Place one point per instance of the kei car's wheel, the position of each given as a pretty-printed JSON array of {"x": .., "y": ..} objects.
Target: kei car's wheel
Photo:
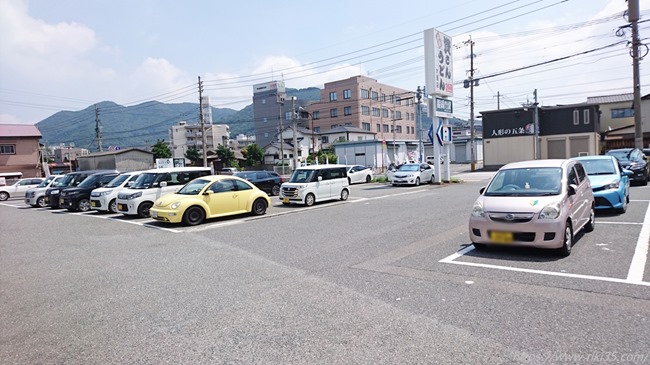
[
  {"x": 433, "y": 179},
  {"x": 368, "y": 179},
  {"x": 567, "y": 244},
  {"x": 479, "y": 246},
  {"x": 259, "y": 207},
  {"x": 310, "y": 199},
  {"x": 275, "y": 190},
  {"x": 4, "y": 195},
  {"x": 417, "y": 181},
  {"x": 40, "y": 202},
  {"x": 143, "y": 209},
  {"x": 345, "y": 194},
  {"x": 112, "y": 206},
  {"x": 592, "y": 221},
  {"x": 193, "y": 216},
  {"x": 83, "y": 205}
]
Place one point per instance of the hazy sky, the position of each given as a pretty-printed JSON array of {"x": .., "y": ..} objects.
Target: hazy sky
[{"x": 69, "y": 54}]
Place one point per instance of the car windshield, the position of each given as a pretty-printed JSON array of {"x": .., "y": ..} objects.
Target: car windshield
[
  {"x": 146, "y": 180},
  {"x": 45, "y": 182},
  {"x": 89, "y": 182},
  {"x": 302, "y": 176},
  {"x": 193, "y": 187},
  {"x": 622, "y": 155},
  {"x": 67, "y": 180},
  {"x": 119, "y": 179},
  {"x": 599, "y": 167},
  {"x": 538, "y": 181},
  {"x": 409, "y": 168}
]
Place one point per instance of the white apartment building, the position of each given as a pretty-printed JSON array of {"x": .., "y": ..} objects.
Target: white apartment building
[{"x": 183, "y": 136}]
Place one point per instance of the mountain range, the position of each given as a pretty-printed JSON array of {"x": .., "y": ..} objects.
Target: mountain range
[{"x": 143, "y": 124}]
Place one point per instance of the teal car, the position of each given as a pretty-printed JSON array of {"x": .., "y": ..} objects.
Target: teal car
[{"x": 609, "y": 181}]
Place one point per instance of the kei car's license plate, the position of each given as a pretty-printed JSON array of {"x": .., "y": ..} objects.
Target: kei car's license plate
[
  {"x": 501, "y": 237},
  {"x": 121, "y": 207},
  {"x": 93, "y": 203},
  {"x": 153, "y": 214},
  {"x": 285, "y": 200}
]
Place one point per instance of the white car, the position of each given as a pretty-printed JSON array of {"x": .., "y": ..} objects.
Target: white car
[
  {"x": 19, "y": 188},
  {"x": 104, "y": 199},
  {"x": 359, "y": 174},
  {"x": 36, "y": 196},
  {"x": 413, "y": 174}
]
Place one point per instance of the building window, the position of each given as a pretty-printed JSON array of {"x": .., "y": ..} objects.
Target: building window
[
  {"x": 378, "y": 127},
  {"x": 585, "y": 114},
  {"x": 375, "y": 112},
  {"x": 325, "y": 139},
  {"x": 391, "y": 99},
  {"x": 576, "y": 117},
  {"x": 263, "y": 101},
  {"x": 333, "y": 113},
  {"x": 316, "y": 115},
  {"x": 265, "y": 120},
  {"x": 347, "y": 110},
  {"x": 385, "y": 126},
  {"x": 365, "y": 126},
  {"x": 398, "y": 115},
  {"x": 333, "y": 96},
  {"x": 399, "y": 129},
  {"x": 398, "y": 100},
  {"x": 383, "y": 98},
  {"x": 384, "y": 113},
  {"x": 266, "y": 135},
  {"x": 347, "y": 94},
  {"x": 316, "y": 129},
  {"x": 7, "y": 149},
  {"x": 375, "y": 95},
  {"x": 365, "y": 110},
  {"x": 364, "y": 94},
  {"x": 622, "y": 113}
]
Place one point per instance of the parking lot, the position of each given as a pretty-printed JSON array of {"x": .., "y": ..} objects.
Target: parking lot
[{"x": 395, "y": 260}]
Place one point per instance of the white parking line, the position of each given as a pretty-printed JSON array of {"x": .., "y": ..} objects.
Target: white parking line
[
  {"x": 143, "y": 224},
  {"x": 637, "y": 267}
]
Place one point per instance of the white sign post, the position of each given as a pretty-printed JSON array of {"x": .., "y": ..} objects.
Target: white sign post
[{"x": 438, "y": 68}]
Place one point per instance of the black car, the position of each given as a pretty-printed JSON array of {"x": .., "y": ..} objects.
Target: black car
[
  {"x": 267, "y": 181},
  {"x": 70, "y": 180},
  {"x": 635, "y": 160},
  {"x": 78, "y": 198}
]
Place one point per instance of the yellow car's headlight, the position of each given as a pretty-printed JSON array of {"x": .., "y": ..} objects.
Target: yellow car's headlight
[{"x": 175, "y": 205}]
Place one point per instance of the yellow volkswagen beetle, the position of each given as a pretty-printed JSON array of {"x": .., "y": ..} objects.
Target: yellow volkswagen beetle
[{"x": 210, "y": 197}]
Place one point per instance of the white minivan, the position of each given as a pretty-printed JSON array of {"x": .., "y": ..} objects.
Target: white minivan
[
  {"x": 104, "y": 199},
  {"x": 152, "y": 184},
  {"x": 315, "y": 183}
]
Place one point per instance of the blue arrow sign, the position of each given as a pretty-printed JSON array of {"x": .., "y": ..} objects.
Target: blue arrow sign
[
  {"x": 439, "y": 132},
  {"x": 430, "y": 133}
]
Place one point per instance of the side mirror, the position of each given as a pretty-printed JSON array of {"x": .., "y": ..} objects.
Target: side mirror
[
  {"x": 572, "y": 188},
  {"x": 208, "y": 192},
  {"x": 481, "y": 190},
  {"x": 320, "y": 178},
  {"x": 627, "y": 172},
  {"x": 163, "y": 184},
  {"x": 129, "y": 183}
]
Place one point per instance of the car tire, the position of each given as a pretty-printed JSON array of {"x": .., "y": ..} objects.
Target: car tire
[
  {"x": 275, "y": 190},
  {"x": 143, "y": 209},
  {"x": 112, "y": 206},
  {"x": 259, "y": 207},
  {"x": 4, "y": 195},
  {"x": 368, "y": 179},
  {"x": 83, "y": 205},
  {"x": 310, "y": 199},
  {"x": 283, "y": 203},
  {"x": 591, "y": 224},
  {"x": 433, "y": 179},
  {"x": 567, "y": 242},
  {"x": 479, "y": 246},
  {"x": 345, "y": 194},
  {"x": 417, "y": 181},
  {"x": 193, "y": 216},
  {"x": 40, "y": 202}
]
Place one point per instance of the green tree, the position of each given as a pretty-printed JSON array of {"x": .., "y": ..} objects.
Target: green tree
[
  {"x": 227, "y": 156},
  {"x": 254, "y": 154},
  {"x": 193, "y": 155},
  {"x": 160, "y": 149}
]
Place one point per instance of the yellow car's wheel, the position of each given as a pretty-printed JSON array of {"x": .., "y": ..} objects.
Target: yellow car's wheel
[{"x": 193, "y": 216}]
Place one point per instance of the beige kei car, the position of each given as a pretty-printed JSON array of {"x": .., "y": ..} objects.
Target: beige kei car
[{"x": 540, "y": 203}]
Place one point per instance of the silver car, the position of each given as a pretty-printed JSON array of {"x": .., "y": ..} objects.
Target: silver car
[
  {"x": 540, "y": 203},
  {"x": 413, "y": 174}
]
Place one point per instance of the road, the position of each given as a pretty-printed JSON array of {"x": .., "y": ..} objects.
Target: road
[{"x": 386, "y": 277}]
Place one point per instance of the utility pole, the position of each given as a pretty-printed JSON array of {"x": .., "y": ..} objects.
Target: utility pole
[
  {"x": 536, "y": 126},
  {"x": 295, "y": 127},
  {"x": 498, "y": 100},
  {"x": 633, "y": 16},
  {"x": 280, "y": 101},
  {"x": 471, "y": 105},
  {"x": 98, "y": 129},
  {"x": 203, "y": 146},
  {"x": 420, "y": 131}
]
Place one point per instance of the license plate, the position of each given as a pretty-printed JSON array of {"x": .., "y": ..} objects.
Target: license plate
[
  {"x": 93, "y": 203},
  {"x": 153, "y": 214},
  {"x": 60, "y": 201},
  {"x": 121, "y": 207},
  {"x": 501, "y": 237},
  {"x": 47, "y": 200},
  {"x": 285, "y": 200}
]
